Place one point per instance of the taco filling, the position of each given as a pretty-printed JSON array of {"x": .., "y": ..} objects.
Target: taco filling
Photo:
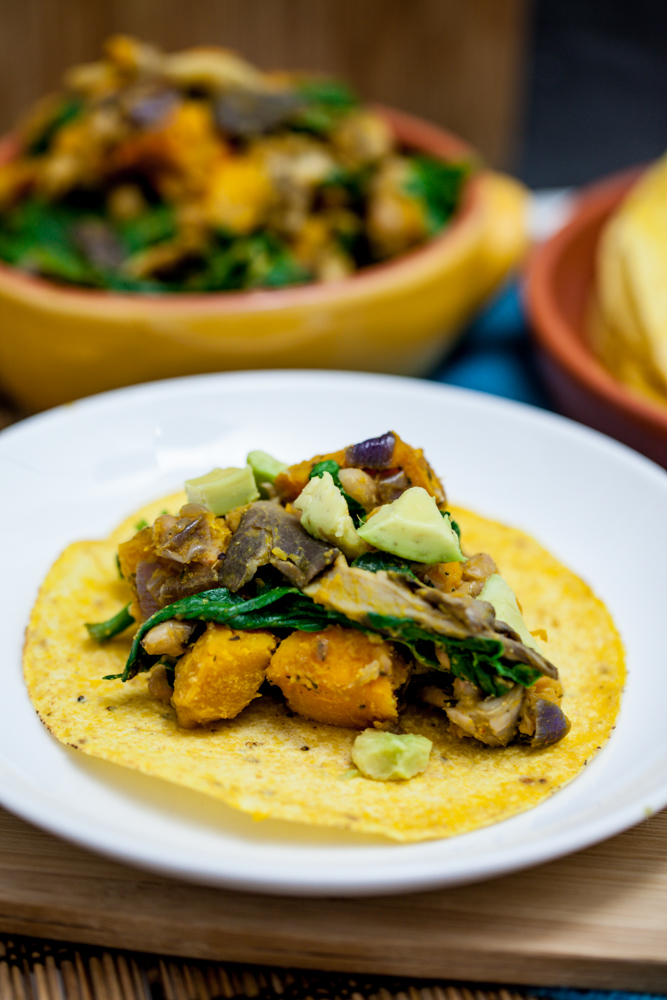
[{"x": 339, "y": 600}]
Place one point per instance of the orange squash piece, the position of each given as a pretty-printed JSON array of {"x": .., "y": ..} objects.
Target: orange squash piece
[
  {"x": 137, "y": 549},
  {"x": 410, "y": 460},
  {"x": 417, "y": 470},
  {"x": 290, "y": 482},
  {"x": 340, "y": 676},
  {"x": 220, "y": 674},
  {"x": 445, "y": 576}
]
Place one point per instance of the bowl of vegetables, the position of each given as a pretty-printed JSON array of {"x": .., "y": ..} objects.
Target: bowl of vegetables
[{"x": 170, "y": 214}]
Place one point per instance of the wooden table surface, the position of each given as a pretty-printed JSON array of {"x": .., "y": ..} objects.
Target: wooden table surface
[{"x": 595, "y": 919}]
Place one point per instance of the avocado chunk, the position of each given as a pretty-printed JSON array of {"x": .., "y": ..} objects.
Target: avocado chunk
[
  {"x": 499, "y": 593},
  {"x": 325, "y": 515},
  {"x": 388, "y": 757},
  {"x": 221, "y": 490},
  {"x": 412, "y": 527},
  {"x": 264, "y": 467}
]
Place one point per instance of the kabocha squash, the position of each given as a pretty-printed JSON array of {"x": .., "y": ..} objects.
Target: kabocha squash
[
  {"x": 293, "y": 480},
  {"x": 220, "y": 674},
  {"x": 339, "y": 676},
  {"x": 177, "y": 554},
  {"x": 416, "y": 469},
  {"x": 137, "y": 549}
]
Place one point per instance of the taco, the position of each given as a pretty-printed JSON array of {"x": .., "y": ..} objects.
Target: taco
[{"x": 329, "y": 643}]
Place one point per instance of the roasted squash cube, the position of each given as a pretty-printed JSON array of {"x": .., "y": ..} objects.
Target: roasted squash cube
[
  {"x": 445, "y": 576},
  {"x": 339, "y": 676},
  {"x": 295, "y": 479},
  {"x": 137, "y": 549},
  {"x": 220, "y": 674},
  {"x": 417, "y": 470}
]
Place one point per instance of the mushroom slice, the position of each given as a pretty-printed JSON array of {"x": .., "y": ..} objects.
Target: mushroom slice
[
  {"x": 269, "y": 534},
  {"x": 168, "y": 638},
  {"x": 357, "y": 592},
  {"x": 490, "y": 720},
  {"x": 247, "y": 113},
  {"x": 196, "y": 535},
  {"x": 541, "y": 714}
]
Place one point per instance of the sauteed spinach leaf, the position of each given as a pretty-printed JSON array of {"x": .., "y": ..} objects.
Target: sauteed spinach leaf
[
  {"x": 439, "y": 186},
  {"x": 295, "y": 611},
  {"x": 101, "y": 631},
  {"x": 477, "y": 659},
  {"x": 376, "y": 561}
]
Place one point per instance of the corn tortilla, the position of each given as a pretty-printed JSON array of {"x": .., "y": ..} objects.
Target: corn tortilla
[{"x": 271, "y": 764}]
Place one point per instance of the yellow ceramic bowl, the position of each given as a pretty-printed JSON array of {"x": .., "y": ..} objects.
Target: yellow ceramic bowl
[{"x": 60, "y": 343}]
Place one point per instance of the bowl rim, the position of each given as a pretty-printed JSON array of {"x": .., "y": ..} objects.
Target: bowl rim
[
  {"x": 411, "y": 130},
  {"x": 555, "y": 334}
]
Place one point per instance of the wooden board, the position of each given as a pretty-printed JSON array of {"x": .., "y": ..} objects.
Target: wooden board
[{"x": 596, "y": 919}]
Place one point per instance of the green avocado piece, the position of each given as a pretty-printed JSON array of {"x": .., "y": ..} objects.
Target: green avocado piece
[
  {"x": 388, "y": 757},
  {"x": 325, "y": 515},
  {"x": 221, "y": 490},
  {"x": 412, "y": 527},
  {"x": 265, "y": 467},
  {"x": 499, "y": 593}
]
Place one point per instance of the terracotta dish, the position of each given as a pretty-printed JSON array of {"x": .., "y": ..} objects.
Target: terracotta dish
[
  {"x": 58, "y": 344},
  {"x": 560, "y": 298}
]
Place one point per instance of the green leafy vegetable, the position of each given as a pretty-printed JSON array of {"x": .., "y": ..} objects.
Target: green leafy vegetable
[
  {"x": 351, "y": 184},
  {"x": 101, "y": 631},
  {"x": 477, "y": 658},
  {"x": 65, "y": 112},
  {"x": 357, "y": 512},
  {"x": 373, "y": 562},
  {"x": 294, "y": 611},
  {"x": 155, "y": 225},
  {"x": 327, "y": 103},
  {"x": 438, "y": 185},
  {"x": 59, "y": 262},
  {"x": 331, "y": 93},
  {"x": 260, "y": 260},
  {"x": 454, "y": 524},
  {"x": 279, "y": 607},
  {"x": 38, "y": 236},
  {"x": 117, "y": 282}
]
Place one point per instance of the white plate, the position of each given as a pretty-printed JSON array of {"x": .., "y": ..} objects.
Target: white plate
[{"x": 77, "y": 471}]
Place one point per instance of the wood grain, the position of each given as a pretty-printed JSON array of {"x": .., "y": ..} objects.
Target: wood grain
[
  {"x": 459, "y": 64},
  {"x": 596, "y": 919}
]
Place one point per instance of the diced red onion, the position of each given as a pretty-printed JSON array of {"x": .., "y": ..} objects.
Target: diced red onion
[{"x": 374, "y": 453}]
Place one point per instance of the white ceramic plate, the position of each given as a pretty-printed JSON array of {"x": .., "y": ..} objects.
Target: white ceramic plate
[{"x": 77, "y": 471}]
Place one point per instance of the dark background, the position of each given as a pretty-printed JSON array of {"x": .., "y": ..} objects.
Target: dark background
[{"x": 595, "y": 89}]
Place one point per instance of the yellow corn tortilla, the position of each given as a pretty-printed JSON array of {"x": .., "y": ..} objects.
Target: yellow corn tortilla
[{"x": 271, "y": 764}]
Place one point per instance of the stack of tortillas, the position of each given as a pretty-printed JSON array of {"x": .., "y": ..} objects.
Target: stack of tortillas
[{"x": 629, "y": 329}]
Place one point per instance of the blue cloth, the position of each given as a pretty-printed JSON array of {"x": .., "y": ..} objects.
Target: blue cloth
[{"x": 495, "y": 354}]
